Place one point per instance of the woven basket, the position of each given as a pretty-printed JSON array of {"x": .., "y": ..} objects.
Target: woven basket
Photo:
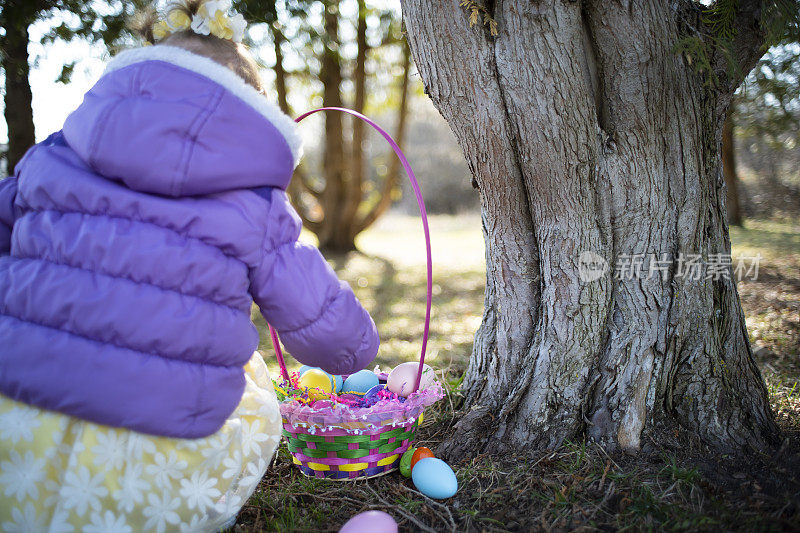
[
  {"x": 348, "y": 449},
  {"x": 343, "y": 456}
]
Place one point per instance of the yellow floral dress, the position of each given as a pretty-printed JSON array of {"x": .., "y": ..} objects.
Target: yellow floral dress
[{"x": 61, "y": 474}]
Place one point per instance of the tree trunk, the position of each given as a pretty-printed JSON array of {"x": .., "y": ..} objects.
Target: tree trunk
[
  {"x": 729, "y": 171},
  {"x": 344, "y": 210},
  {"x": 355, "y": 186},
  {"x": 18, "y": 98},
  {"x": 334, "y": 196},
  {"x": 593, "y": 144}
]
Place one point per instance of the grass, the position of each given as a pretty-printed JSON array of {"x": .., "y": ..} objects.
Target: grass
[{"x": 579, "y": 486}]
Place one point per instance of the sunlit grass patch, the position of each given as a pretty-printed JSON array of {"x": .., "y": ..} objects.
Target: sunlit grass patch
[
  {"x": 389, "y": 277},
  {"x": 772, "y": 239}
]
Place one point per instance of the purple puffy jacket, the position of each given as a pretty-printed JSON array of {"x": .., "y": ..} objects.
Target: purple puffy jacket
[{"x": 133, "y": 243}]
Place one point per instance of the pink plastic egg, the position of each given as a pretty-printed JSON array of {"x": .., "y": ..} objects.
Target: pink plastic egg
[
  {"x": 370, "y": 522},
  {"x": 402, "y": 378}
]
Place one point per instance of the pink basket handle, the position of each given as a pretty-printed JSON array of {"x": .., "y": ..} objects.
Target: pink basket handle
[{"x": 423, "y": 215}]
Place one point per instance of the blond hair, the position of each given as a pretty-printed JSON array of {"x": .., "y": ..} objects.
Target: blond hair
[{"x": 234, "y": 56}]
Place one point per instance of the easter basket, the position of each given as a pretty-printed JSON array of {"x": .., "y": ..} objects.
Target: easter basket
[{"x": 331, "y": 440}]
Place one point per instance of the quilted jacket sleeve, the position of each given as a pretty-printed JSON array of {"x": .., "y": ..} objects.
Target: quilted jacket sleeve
[
  {"x": 319, "y": 319},
  {"x": 8, "y": 191}
]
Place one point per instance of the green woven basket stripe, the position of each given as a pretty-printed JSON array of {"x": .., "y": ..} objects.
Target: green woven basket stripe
[
  {"x": 341, "y": 451},
  {"x": 352, "y": 454},
  {"x": 390, "y": 447},
  {"x": 364, "y": 441},
  {"x": 340, "y": 438},
  {"x": 331, "y": 446},
  {"x": 337, "y": 446},
  {"x": 342, "y": 454}
]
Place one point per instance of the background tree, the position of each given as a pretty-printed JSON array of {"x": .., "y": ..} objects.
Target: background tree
[
  {"x": 767, "y": 107},
  {"x": 593, "y": 132},
  {"x": 767, "y": 124},
  {"x": 94, "y": 21},
  {"x": 344, "y": 200},
  {"x": 340, "y": 200},
  {"x": 732, "y": 182}
]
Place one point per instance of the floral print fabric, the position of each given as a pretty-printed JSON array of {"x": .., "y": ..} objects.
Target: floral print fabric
[{"x": 62, "y": 474}]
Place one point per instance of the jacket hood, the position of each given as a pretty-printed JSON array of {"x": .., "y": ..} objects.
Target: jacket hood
[{"x": 164, "y": 120}]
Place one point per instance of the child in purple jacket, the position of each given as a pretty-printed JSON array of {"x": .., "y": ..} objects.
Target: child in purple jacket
[{"x": 132, "y": 246}]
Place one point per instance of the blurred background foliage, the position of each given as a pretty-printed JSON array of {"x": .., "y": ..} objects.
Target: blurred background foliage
[
  {"x": 766, "y": 127},
  {"x": 352, "y": 53}
]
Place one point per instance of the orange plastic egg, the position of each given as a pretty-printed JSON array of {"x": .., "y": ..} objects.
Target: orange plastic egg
[{"x": 420, "y": 453}]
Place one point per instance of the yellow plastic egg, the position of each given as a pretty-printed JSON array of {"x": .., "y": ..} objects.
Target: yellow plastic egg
[{"x": 318, "y": 383}]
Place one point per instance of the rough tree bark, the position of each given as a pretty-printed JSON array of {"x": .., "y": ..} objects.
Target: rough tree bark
[
  {"x": 586, "y": 132},
  {"x": 729, "y": 171}
]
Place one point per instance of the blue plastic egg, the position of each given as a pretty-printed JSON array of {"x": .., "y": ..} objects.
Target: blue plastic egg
[
  {"x": 337, "y": 380},
  {"x": 360, "y": 382},
  {"x": 434, "y": 478},
  {"x": 372, "y": 394}
]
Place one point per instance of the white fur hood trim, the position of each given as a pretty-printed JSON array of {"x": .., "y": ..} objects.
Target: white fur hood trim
[{"x": 219, "y": 74}]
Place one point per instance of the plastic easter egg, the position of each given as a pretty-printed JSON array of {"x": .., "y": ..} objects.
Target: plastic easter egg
[
  {"x": 317, "y": 381},
  {"x": 370, "y": 522},
  {"x": 372, "y": 394},
  {"x": 360, "y": 382},
  {"x": 405, "y": 461},
  {"x": 353, "y": 398},
  {"x": 420, "y": 453},
  {"x": 337, "y": 380},
  {"x": 403, "y": 377},
  {"x": 316, "y": 378},
  {"x": 434, "y": 478},
  {"x": 375, "y": 390}
]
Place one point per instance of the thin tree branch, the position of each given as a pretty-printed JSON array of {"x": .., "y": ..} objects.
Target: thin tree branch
[
  {"x": 300, "y": 183},
  {"x": 280, "y": 72},
  {"x": 393, "y": 176},
  {"x": 296, "y": 188},
  {"x": 304, "y": 181},
  {"x": 311, "y": 225}
]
